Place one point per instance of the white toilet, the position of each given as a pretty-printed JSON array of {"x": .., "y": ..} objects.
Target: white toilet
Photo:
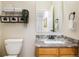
[{"x": 13, "y": 47}]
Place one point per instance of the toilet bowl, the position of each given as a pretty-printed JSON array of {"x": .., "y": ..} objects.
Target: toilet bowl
[{"x": 13, "y": 47}]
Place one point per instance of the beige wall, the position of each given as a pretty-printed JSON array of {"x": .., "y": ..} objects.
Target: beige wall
[
  {"x": 21, "y": 30},
  {"x": 68, "y": 8},
  {"x": 1, "y": 53}
]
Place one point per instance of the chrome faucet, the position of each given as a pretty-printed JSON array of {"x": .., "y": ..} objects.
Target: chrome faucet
[{"x": 51, "y": 37}]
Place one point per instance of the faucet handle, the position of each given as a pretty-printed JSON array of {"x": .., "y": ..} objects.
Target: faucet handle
[{"x": 51, "y": 37}]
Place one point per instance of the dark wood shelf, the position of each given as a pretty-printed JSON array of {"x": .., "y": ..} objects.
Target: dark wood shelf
[{"x": 11, "y": 21}]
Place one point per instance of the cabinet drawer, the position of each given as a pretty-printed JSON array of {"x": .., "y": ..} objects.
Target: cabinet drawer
[
  {"x": 67, "y": 51},
  {"x": 48, "y": 51}
]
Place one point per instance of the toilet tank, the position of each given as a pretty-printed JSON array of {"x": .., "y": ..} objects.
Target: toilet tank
[{"x": 13, "y": 46}]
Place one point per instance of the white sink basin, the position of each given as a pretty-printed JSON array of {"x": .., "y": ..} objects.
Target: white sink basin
[{"x": 54, "y": 42}]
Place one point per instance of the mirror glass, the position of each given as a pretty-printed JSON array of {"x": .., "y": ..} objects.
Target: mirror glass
[{"x": 48, "y": 16}]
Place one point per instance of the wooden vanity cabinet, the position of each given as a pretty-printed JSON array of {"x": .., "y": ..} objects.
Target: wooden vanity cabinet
[
  {"x": 46, "y": 52},
  {"x": 55, "y": 52}
]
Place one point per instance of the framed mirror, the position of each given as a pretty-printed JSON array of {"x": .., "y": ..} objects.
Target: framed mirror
[{"x": 48, "y": 16}]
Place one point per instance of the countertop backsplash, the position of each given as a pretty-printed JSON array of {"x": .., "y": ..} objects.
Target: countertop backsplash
[{"x": 47, "y": 36}]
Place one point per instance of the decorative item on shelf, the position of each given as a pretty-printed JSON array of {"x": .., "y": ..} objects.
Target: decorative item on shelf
[
  {"x": 5, "y": 19},
  {"x": 25, "y": 15},
  {"x": 14, "y": 19},
  {"x": 21, "y": 19}
]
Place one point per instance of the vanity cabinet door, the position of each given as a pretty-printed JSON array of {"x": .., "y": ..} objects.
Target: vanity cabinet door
[
  {"x": 47, "y": 52},
  {"x": 67, "y": 51}
]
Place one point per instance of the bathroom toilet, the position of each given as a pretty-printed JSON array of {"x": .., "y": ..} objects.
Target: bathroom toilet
[{"x": 13, "y": 47}]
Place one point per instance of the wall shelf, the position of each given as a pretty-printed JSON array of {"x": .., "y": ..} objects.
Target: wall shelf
[
  {"x": 12, "y": 12},
  {"x": 22, "y": 16}
]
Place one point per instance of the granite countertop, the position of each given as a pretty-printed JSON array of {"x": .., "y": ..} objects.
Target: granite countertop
[{"x": 40, "y": 43}]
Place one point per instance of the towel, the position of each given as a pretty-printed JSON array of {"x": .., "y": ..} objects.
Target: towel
[{"x": 71, "y": 24}]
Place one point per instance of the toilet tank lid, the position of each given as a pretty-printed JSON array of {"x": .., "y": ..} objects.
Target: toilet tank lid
[{"x": 13, "y": 40}]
